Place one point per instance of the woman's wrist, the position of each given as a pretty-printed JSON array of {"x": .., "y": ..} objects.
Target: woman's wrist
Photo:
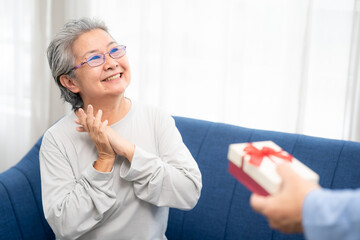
[
  {"x": 121, "y": 146},
  {"x": 104, "y": 164},
  {"x": 129, "y": 154},
  {"x": 125, "y": 149}
]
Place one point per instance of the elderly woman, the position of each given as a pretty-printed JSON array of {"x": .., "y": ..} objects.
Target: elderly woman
[{"x": 111, "y": 168}]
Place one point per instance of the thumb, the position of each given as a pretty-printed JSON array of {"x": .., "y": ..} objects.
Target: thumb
[
  {"x": 285, "y": 171},
  {"x": 289, "y": 178}
]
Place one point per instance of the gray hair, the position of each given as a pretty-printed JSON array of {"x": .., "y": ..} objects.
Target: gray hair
[{"x": 61, "y": 58}]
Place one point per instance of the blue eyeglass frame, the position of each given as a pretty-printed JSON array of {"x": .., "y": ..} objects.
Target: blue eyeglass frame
[{"x": 123, "y": 47}]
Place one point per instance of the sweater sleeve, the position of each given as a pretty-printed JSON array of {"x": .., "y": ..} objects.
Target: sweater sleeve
[
  {"x": 171, "y": 178},
  {"x": 72, "y": 206},
  {"x": 332, "y": 214}
]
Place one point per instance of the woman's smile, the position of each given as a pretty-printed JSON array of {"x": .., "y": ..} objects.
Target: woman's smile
[{"x": 111, "y": 78}]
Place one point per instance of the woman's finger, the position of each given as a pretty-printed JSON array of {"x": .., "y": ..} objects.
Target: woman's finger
[
  {"x": 81, "y": 115},
  {"x": 81, "y": 129},
  {"x": 81, "y": 119},
  {"x": 97, "y": 121},
  {"x": 78, "y": 122},
  {"x": 103, "y": 125},
  {"x": 89, "y": 116}
]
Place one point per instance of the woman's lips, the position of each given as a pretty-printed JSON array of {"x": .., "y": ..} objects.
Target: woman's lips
[{"x": 113, "y": 77}]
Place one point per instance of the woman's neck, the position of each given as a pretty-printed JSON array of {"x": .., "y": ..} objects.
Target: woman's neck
[{"x": 112, "y": 111}]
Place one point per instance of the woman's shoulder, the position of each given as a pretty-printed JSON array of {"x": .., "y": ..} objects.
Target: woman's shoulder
[
  {"x": 149, "y": 111},
  {"x": 64, "y": 125}
]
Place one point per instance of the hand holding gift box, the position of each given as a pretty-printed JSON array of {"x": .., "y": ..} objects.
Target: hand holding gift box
[{"x": 254, "y": 165}]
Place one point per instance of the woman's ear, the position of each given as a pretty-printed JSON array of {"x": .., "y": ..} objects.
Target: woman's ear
[{"x": 69, "y": 83}]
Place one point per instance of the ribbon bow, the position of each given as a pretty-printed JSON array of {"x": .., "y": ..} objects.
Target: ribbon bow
[{"x": 257, "y": 156}]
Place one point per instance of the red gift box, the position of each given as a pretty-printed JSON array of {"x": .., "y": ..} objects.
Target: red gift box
[{"x": 254, "y": 165}]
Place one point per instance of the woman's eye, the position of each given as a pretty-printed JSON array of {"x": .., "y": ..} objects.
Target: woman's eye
[
  {"x": 95, "y": 57},
  {"x": 114, "y": 50}
]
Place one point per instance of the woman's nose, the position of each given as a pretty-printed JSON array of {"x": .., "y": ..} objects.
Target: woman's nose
[{"x": 110, "y": 62}]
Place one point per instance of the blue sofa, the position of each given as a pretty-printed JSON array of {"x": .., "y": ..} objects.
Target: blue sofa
[{"x": 223, "y": 210}]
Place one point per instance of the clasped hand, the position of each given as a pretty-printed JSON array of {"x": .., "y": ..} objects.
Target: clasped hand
[{"x": 108, "y": 143}]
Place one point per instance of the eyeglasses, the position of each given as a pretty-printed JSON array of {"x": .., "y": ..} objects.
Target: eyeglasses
[{"x": 98, "y": 59}]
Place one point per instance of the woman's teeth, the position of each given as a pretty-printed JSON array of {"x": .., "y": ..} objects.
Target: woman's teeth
[{"x": 113, "y": 77}]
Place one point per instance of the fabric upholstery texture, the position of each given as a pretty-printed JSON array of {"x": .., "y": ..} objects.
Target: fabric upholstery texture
[{"x": 223, "y": 210}]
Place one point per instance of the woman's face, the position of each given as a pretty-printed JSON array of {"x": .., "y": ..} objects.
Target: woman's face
[{"x": 107, "y": 80}]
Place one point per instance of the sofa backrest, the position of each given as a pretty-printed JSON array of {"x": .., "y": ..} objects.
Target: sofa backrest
[{"x": 223, "y": 210}]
